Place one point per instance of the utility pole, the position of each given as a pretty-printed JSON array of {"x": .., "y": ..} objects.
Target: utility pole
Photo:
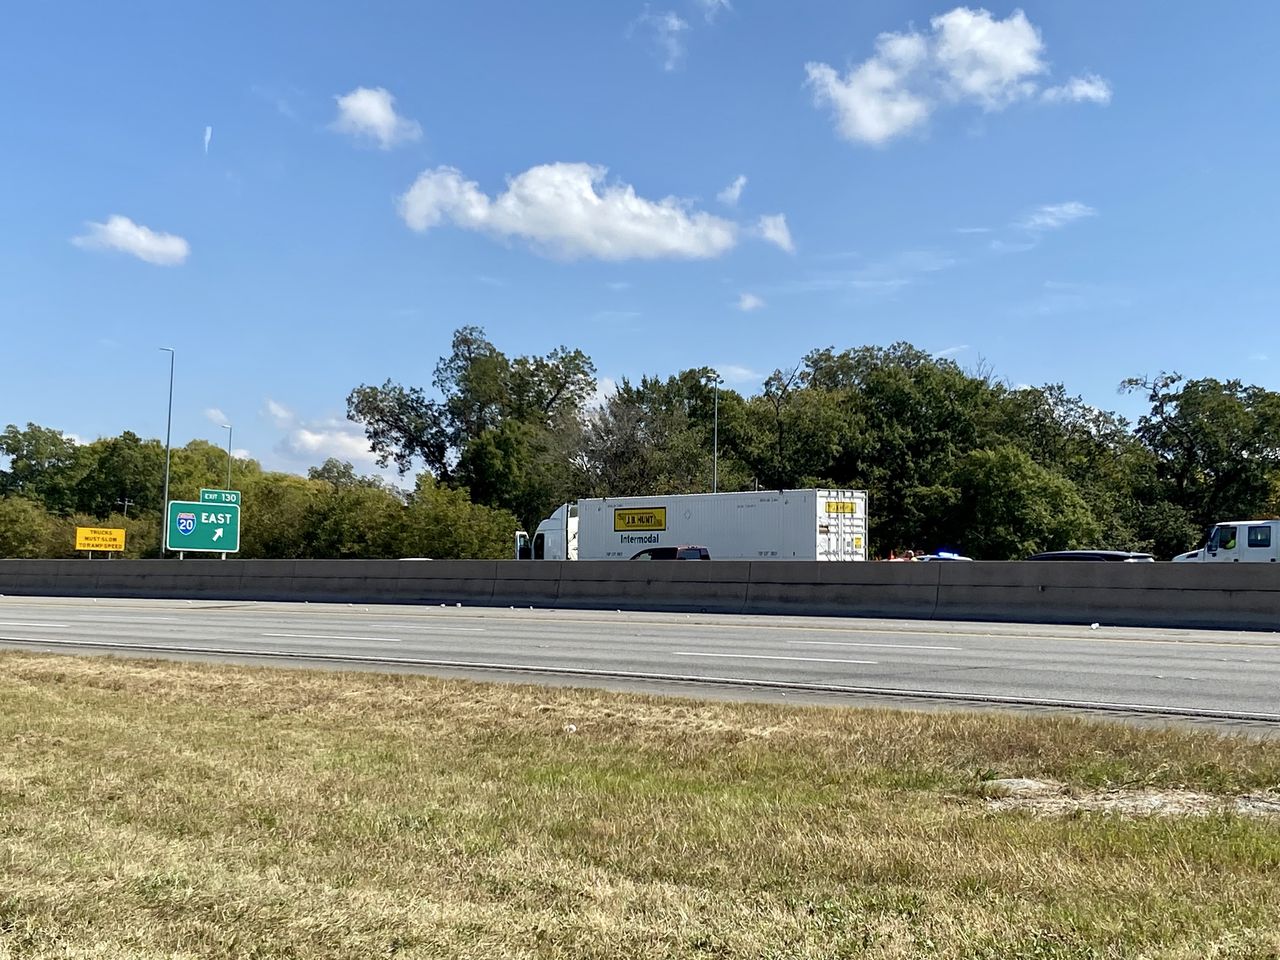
[
  {"x": 126, "y": 503},
  {"x": 227, "y": 427},
  {"x": 715, "y": 433}
]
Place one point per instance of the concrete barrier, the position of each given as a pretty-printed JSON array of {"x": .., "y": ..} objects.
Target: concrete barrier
[{"x": 1236, "y": 596}]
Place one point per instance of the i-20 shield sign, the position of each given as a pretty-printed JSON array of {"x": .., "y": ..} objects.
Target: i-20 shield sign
[{"x": 186, "y": 523}]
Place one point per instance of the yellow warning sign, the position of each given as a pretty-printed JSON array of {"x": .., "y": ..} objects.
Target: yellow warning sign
[
  {"x": 99, "y": 538},
  {"x": 842, "y": 506},
  {"x": 640, "y": 518}
]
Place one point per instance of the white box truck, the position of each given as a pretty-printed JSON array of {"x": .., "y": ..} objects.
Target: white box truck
[
  {"x": 757, "y": 525},
  {"x": 1238, "y": 541}
]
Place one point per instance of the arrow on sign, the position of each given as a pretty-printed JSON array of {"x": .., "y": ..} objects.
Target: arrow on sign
[{"x": 217, "y": 534}]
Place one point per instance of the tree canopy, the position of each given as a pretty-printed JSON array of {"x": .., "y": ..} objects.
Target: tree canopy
[{"x": 951, "y": 458}]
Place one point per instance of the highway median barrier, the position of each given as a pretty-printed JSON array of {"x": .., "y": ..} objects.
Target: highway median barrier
[{"x": 1235, "y": 596}]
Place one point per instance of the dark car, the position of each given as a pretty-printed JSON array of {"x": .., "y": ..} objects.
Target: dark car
[
  {"x": 673, "y": 553},
  {"x": 1115, "y": 556}
]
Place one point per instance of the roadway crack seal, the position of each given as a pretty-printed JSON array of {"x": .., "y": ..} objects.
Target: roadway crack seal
[{"x": 975, "y": 698}]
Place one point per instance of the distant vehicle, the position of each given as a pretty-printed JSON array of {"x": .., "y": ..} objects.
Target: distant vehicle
[
  {"x": 943, "y": 555},
  {"x": 1115, "y": 556},
  {"x": 754, "y": 525},
  {"x": 673, "y": 553},
  {"x": 1238, "y": 541}
]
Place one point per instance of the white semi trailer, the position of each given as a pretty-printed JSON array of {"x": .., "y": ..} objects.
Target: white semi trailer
[{"x": 758, "y": 525}]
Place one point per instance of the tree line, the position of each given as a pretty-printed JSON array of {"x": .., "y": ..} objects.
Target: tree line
[
  {"x": 951, "y": 458},
  {"x": 52, "y": 485}
]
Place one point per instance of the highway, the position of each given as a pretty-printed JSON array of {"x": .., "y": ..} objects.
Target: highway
[{"x": 1212, "y": 676}]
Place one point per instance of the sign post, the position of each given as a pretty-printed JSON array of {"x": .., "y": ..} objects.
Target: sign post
[{"x": 197, "y": 526}]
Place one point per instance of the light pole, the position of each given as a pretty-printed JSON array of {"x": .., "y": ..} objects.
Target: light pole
[
  {"x": 227, "y": 427},
  {"x": 168, "y": 435},
  {"x": 715, "y": 434}
]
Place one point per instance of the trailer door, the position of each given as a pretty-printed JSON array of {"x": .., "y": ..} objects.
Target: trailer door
[{"x": 842, "y": 525}]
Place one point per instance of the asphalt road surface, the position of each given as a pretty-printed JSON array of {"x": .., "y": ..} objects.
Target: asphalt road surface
[{"x": 1214, "y": 676}]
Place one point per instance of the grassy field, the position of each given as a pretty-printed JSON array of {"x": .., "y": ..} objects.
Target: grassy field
[{"x": 154, "y": 810}]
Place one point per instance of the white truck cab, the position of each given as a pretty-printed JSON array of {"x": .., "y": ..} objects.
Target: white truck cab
[
  {"x": 555, "y": 539},
  {"x": 1238, "y": 541}
]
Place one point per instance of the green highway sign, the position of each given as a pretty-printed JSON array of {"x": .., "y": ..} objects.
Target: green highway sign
[
  {"x": 196, "y": 527},
  {"x": 219, "y": 496}
]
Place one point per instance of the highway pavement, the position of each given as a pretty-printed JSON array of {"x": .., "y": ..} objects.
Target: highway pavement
[{"x": 1211, "y": 676}]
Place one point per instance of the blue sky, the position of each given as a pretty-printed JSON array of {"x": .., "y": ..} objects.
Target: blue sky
[{"x": 1077, "y": 192}]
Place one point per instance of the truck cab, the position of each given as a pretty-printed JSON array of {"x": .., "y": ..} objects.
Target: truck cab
[
  {"x": 555, "y": 539},
  {"x": 1238, "y": 541}
]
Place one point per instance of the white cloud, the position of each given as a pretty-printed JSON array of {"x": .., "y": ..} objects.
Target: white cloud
[
  {"x": 773, "y": 228},
  {"x": 369, "y": 112},
  {"x": 666, "y": 29},
  {"x": 952, "y": 351},
  {"x": 988, "y": 60},
  {"x": 1090, "y": 88},
  {"x": 1008, "y": 246},
  {"x": 973, "y": 230},
  {"x": 1258, "y": 357},
  {"x": 713, "y": 8},
  {"x": 967, "y": 55},
  {"x": 618, "y": 285},
  {"x": 735, "y": 373},
  {"x": 318, "y": 443},
  {"x": 313, "y": 441},
  {"x": 208, "y": 135},
  {"x": 281, "y": 415},
  {"x": 606, "y": 387},
  {"x": 569, "y": 210},
  {"x": 749, "y": 301},
  {"x": 875, "y": 101},
  {"x": 122, "y": 234},
  {"x": 214, "y": 415},
  {"x": 1051, "y": 216},
  {"x": 730, "y": 195},
  {"x": 241, "y": 453}
]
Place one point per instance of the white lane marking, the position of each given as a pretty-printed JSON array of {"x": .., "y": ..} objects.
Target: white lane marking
[
  {"x": 883, "y": 646},
  {"x": 123, "y": 619},
  {"x": 762, "y": 656},
  {"x": 31, "y": 623},
  {"x": 327, "y": 636}
]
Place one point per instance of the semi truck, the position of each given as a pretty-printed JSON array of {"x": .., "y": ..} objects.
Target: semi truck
[
  {"x": 755, "y": 525},
  {"x": 1238, "y": 541}
]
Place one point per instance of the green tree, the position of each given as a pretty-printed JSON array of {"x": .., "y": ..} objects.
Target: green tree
[
  {"x": 42, "y": 466},
  {"x": 115, "y": 469},
  {"x": 356, "y": 523},
  {"x": 27, "y": 531},
  {"x": 277, "y": 513},
  {"x": 500, "y": 426},
  {"x": 1217, "y": 444},
  {"x": 444, "y": 524},
  {"x": 1006, "y": 507}
]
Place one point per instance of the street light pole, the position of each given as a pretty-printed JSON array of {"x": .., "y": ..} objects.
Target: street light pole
[
  {"x": 168, "y": 436},
  {"x": 227, "y": 427},
  {"x": 715, "y": 442},
  {"x": 715, "y": 433}
]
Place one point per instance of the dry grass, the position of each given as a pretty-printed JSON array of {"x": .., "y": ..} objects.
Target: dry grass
[{"x": 154, "y": 810}]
